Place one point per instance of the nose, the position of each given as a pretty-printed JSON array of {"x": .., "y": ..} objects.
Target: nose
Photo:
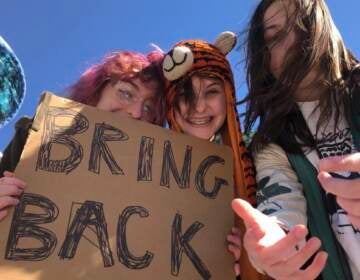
[
  {"x": 135, "y": 110},
  {"x": 200, "y": 104}
]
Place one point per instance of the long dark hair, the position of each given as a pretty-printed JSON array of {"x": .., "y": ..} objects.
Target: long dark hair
[{"x": 271, "y": 101}]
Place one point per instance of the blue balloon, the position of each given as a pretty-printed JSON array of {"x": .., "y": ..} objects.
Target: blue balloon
[{"x": 12, "y": 83}]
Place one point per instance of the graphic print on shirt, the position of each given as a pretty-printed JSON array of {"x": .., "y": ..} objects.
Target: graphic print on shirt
[
  {"x": 337, "y": 144},
  {"x": 264, "y": 193}
]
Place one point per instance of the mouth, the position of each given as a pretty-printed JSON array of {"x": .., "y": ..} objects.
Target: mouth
[{"x": 200, "y": 121}]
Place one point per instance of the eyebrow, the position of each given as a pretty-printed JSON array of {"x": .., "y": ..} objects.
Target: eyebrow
[
  {"x": 131, "y": 83},
  {"x": 271, "y": 27},
  {"x": 214, "y": 83}
]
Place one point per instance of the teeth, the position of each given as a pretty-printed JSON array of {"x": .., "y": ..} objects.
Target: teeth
[{"x": 199, "y": 121}]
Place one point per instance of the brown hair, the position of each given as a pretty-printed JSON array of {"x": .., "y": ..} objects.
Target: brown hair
[{"x": 318, "y": 44}]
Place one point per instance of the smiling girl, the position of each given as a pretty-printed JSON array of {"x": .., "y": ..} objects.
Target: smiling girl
[{"x": 201, "y": 103}]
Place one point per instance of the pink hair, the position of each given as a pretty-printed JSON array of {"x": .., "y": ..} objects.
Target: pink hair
[{"x": 121, "y": 65}]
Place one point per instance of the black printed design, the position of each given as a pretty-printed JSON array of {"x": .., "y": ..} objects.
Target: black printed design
[
  {"x": 267, "y": 191},
  {"x": 335, "y": 144}
]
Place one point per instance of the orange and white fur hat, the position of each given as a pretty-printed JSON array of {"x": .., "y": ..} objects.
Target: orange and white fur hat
[{"x": 190, "y": 57}]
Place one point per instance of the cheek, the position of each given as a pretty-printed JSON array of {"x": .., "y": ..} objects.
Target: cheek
[
  {"x": 276, "y": 58},
  {"x": 109, "y": 103},
  {"x": 183, "y": 109},
  {"x": 101, "y": 103},
  {"x": 219, "y": 107},
  {"x": 179, "y": 119},
  {"x": 222, "y": 115},
  {"x": 278, "y": 54}
]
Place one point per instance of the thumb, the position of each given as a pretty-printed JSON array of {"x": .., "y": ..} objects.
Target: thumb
[{"x": 251, "y": 216}]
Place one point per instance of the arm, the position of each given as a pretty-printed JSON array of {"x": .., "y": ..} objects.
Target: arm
[
  {"x": 279, "y": 193},
  {"x": 275, "y": 229}
]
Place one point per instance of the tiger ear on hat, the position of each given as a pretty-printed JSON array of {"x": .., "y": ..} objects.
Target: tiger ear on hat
[{"x": 225, "y": 42}]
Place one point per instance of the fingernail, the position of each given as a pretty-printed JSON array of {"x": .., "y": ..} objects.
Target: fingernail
[
  {"x": 300, "y": 233},
  {"x": 315, "y": 242}
]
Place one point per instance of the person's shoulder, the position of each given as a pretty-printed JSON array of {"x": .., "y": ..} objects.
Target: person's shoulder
[
  {"x": 24, "y": 123},
  {"x": 270, "y": 150},
  {"x": 355, "y": 75},
  {"x": 271, "y": 156}
]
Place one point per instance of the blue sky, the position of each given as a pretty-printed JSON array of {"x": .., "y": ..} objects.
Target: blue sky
[{"x": 57, "y": 40}]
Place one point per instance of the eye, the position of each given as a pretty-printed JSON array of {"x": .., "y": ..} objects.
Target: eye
[
  {"x": 269, "y": 41},
  {"x": 125, "y": 94},
  {"x": 274, "y": 39},
  {"x": 148, "y": 109},
  {"x": 213, "y": 91}
]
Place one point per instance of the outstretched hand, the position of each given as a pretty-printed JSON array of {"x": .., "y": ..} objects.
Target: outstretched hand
[
  {"x": 273, "y": 250},
  {"x": 347, "y": 191}
]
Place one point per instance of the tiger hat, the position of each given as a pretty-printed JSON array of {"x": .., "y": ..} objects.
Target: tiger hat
[{"x": 190, "y": 57}]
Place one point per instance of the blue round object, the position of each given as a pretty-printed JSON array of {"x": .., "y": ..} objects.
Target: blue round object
[{"x": 12, "y": 83}]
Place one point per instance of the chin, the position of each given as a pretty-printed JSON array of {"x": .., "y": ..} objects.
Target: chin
[{"x": 204, "y": 136}]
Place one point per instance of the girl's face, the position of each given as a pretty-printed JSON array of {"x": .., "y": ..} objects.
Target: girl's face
[
  {"x": 280, "y": 41},
  {"x": 209, "y": 110},
  {"x": 131, "y": 99},
  {"x": 275, "y": 23}
]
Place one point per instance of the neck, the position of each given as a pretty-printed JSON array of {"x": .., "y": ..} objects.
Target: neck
[
  {"x": 312, "y": 87},
  {"x": 310, "y": 92}
]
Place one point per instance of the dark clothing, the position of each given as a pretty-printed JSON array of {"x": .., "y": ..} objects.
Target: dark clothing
[{"x": 12, "y": 153}]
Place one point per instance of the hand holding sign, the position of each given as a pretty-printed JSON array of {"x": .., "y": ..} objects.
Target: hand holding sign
[
  {"x": 347, "y": 192},
  {"x": 10, "y": 188},
  {"x": 166, "y": 199},
  {"x": 234, "y": 247},
  {"x": 273, "y": 250}
]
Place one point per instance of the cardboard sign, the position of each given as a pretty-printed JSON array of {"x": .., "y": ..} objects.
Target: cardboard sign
[{"x": 114, "y": 198}]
